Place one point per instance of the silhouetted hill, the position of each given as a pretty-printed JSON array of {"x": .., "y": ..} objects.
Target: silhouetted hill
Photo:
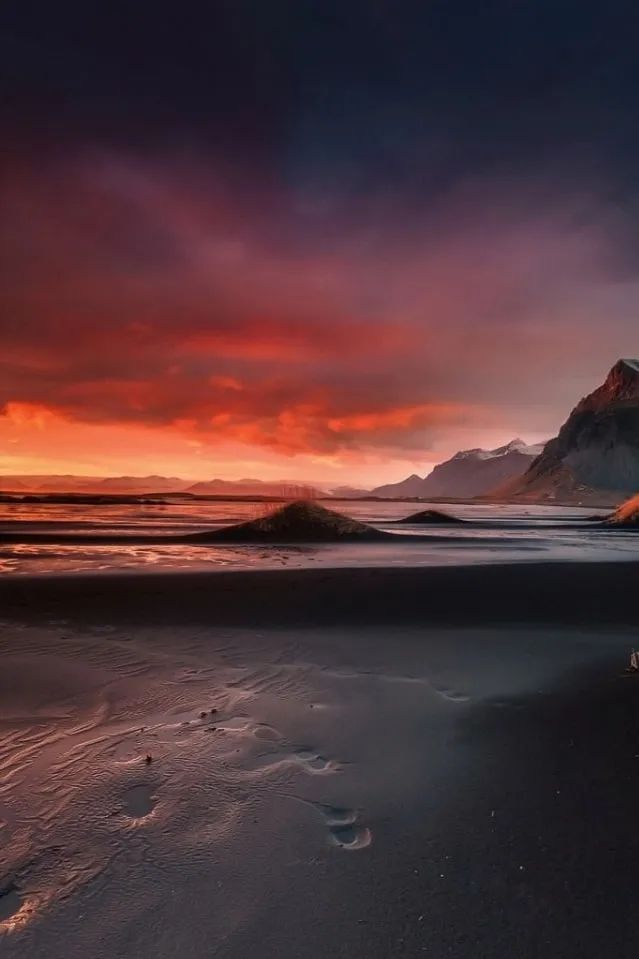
[{"x": 597, "y": 448}]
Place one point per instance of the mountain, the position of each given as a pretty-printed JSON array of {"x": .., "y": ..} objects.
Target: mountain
[
  {"x": 135, "y": 485},
  {"x": 254, "y": 487},
  {"x": 407, "y": 488},
  {"x": 349, "y": 492},
  {"x": 12, "y": 483},
  {"x": 474, "y": 472},
  {"x": 596, "y": 453},
  {"x": 92, "y": 484},
  {"x": 156, "y": 484},
  {"x": 467, "y": 474}
]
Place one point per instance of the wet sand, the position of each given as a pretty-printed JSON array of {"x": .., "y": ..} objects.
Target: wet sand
[
  {"x": 572, "y": 593},
  {"x": 361, "y": 763}
]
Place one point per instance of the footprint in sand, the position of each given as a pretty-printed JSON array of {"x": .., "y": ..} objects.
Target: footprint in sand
[
  {"x": 138, "y": 802},
  {"x": 351, "y": 837},
  {"x": 452, "y": 695},
  {"x": 236, "y": 724},
  {"x": 125, "y": 752},
  {"x": 314, "y": 763},
  {"x": 10, "y": 901},
  {"x": 343, "y": 827},
  {"x": 310, "y": 762},
  {"x": 267, "y": 733}
]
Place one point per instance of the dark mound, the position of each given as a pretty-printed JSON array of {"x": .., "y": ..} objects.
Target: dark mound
[
  {"x": 626, "y": 515},
  {"x": 301, "y": 522},
  {"x": 431, "y": 517}
]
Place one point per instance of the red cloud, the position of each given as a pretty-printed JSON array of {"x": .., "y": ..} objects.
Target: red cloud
[{"x": 155, "y": 296}]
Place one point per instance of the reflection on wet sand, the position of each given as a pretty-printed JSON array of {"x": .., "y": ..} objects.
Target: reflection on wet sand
[{"x": 491, "y": 534}]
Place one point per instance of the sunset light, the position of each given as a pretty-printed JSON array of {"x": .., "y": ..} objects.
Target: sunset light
[{"x": 319, "y": 479}]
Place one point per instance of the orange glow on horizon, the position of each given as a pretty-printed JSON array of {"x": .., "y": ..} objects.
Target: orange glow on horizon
[{"x": 162, "y": 322}]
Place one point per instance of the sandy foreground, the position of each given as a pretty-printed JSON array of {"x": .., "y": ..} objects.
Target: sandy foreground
[{"x": 362, "y": 763}]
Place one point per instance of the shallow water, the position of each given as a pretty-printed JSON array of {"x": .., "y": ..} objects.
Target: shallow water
[{"x": 497, "y": 534}]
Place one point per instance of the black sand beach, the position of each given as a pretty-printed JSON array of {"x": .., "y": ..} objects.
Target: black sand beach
[
  {"x": 579, "y": 594},
  {"x": 399, "y": 762}
]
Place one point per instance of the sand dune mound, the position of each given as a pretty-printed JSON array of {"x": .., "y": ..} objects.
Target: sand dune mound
[
  {"x": 301, "y": 522},
  {"x": 627, "y": 514},
  {"x": 430, "y": 517}
]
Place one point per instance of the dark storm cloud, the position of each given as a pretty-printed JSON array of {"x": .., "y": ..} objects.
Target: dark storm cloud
[
  {"x": 341, "y": 95},
  {"x": 317, "y": 226}
]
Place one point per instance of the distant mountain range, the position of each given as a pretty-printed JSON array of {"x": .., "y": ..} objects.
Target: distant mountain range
[
  {"x": 467, "y": 474},
  {"x": 141, "y": 485},
  {"x": 595, "y": 457},
  {"x": 349, "y": 492},
  {"x": 67, "y": 483},
  {"x": 254, "y": 487}
]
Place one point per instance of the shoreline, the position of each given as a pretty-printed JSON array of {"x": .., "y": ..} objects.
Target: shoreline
[
  {"x": 579, "y": 594},
  {"x": 211, "y": 540}
]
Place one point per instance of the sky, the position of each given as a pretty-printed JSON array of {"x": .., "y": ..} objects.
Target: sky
[{"x": 324, "y": 241}]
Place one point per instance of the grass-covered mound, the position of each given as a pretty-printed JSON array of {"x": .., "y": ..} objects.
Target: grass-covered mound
[
  {"x": 301, "y": 522},
  {"x": 431, "y": 517},
  {"x": 627, "y": 514}
]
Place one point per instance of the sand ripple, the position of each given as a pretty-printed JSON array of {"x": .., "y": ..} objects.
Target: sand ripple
[{"x": 124, "y": 752}]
